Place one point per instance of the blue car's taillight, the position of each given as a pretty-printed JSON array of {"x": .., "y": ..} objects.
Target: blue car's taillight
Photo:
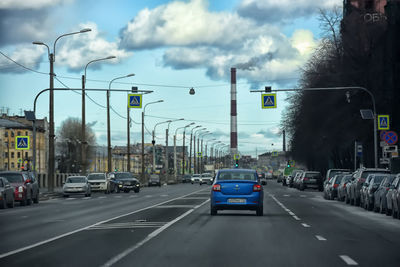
[
  {"x": 257, "y": 188},
  {"x": 216, "y": 188}
]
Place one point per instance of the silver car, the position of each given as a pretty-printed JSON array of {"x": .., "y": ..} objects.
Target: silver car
[
  {"x": 99, "y": 182},
  {"x": 75, "y": 185},
  {"x": 6, "y": 194}
]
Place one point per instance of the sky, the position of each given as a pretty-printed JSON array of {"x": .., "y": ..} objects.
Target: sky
[{"x": 170, "y": 46}]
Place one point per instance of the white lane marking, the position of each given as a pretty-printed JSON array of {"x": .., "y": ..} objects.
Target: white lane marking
[
  {"x": 102, "y": 197},
  {"x": 175, "y": 206},
  {"x": 291, "y": 213},
  {"x": 296, "y": 218},
  {"x": 148, "y": 196},
  {"x": 303, "y": 195},
  {"x": 117, "y": 196},
  {"x": 132, "y": 196},
  {"x": 163, "y": 195},
  {"x": 348, "y": 260},
  {"x": 71, "y": 198},
  {"x": 305, "y": 225},
  {"x": 149, "y": 237},
  {"x": 84, "y": 228},
  {"x": 320, "y": 238},
  {"x": 86, "y": 198},
  {"x": 286, "y": 195},
  {"x": 284, "y": 208}
]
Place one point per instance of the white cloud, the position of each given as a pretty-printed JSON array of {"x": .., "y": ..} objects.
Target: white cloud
[
  {"x": 26, "y": 55},
  {"x": 30, "y": 4},
  {"x": 77, "y": 50},
  {"x": 278, "y": 11}
]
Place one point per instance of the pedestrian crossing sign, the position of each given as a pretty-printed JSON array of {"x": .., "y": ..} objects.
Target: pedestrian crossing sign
[
  {"x": 383, "y": 122},
  {"x": 21, "y": 142},
  {"x": 268, "y": 101},
  {"x": 134, "y": 101}
]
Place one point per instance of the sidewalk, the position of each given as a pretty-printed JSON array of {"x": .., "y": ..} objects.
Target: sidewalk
[{"x": 45, "y": 194}]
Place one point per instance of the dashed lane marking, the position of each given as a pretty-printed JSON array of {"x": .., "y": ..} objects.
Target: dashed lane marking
[
  {"x": 320, "y": 238},
  {"x": 305, "y": 225},
  {"x": 348, "y": 260}
]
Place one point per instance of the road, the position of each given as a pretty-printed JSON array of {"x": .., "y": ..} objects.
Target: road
[{"x": 171, "y": 226}]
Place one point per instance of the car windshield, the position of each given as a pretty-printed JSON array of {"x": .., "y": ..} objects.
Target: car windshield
[
  {"x": 97, "y": 176},
  {"x": 236, "y": 175},
  {"x": 366, "y": 173},
  {"x": 378, "y": 179},
  {"x": 13, "y": 177},
  {"x": 76, "y": 180},
  {"x": 120, "y": 175}
]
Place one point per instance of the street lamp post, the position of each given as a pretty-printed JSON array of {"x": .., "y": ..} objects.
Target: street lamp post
[
  {"x": 194, "y": 149},
  {"x": 200, "y": 159},
  {"x": 190, "y": 151},
  {"x": 143, "y": 113},
  {"x": 183, "y": 148},
  {"x": 196, "y": 156},
  {"x": 109, "y": 167},
  {"x": 154, "y": 142},
  {"x": 52, "y": 59},
  {"x": 166, "y": 144},
  {"x": 206, "y": 149},
  {"x": 83, "y": 141}
]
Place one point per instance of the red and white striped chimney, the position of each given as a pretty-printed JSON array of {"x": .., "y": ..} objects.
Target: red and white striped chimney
[{"x": 234, "y": 136}]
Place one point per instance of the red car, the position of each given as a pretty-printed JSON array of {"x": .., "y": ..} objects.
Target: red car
[{"x": 25, "y": 186}]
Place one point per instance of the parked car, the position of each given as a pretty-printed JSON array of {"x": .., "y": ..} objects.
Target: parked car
[
  {"x": 360, "y": 176},
  {"x": 332, "y": 190},
  {"x": 380, "y": 204},
  {"x": 310, "y": 179},
  {"x": 124, "y": 181},
  {"x": 372, "y": 186},
  {"x": 26, "y": 188},
  {"x": 99, "y": 182},
  {"x": 76, "y": 185},
  {"x": 237, "y": 189},
  {"x": 390, "y": 194},
  {"x": 327, "y": 186},
  {"x": 262, "y": 178},
  {"x": 332, "y": 172},
  {"x": 296, "y": 179},
  {"x": 206, "y": 178},
  {"x": 395, "y": 198},
  {"x": 291, "y": 177},
  {"x": 154, "y": 180},
  {"x": 341, "y": 195},
  {"x": 6, "y": 194},
  {"x": 186, "y": 178},
  {"x": 364, "y": 188},
  {"x": 195, "y": 178}
]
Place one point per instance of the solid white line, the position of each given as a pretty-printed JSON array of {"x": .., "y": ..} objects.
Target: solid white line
[
  {"x": 148, "y": 238},
  {"x": 84, "y": 228},
  {"x": 320, "y": 238},
  {"x": 102, "y": 197},
  {"x": 286, "y": 195},
  {"x": 296, "y": 218},
  {"x": 305, "y": 225},
  {"x": 348, "y": 260},
  {"x": 291, "y": 213}
]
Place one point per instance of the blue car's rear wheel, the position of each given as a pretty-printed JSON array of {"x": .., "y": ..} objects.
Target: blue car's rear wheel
[
  {"x": 213, "y": 211},
  {"x": 260, "y": 211}
]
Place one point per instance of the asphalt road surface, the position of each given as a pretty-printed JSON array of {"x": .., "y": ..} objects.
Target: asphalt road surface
[{"x": 171, "y": 226}]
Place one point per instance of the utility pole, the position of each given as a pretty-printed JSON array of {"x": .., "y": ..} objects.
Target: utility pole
[{"x": 128, "y": 163}]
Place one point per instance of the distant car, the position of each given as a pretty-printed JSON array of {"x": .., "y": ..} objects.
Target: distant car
[
  {"x": 364, "y": 188},
  {"x": 296, "y": 179},
  {"x": 390, "y": 194},
  {"x": 6, "y": 194},
  {"x": 26, "y": 189},
  {"x": 290, "y": 178},
  {"x": 186, "y": 178},
  {"x": 395, "y": 192},
  {"x": 372, "y": 187},
  {"x": 206, "y": 178},
  {"x": 99, "y": 182},
  {"x": 237, "y": 189},
  {"x": 195, "y": 178},
  {"x": 341, "y": 194},
  {"x": 262, "y": 178},
  {"x": 359, "y": 178},
  {"x": 380, "y": 204},
  {"x": 332, "y": 172},
  {"x": 124, "y": 181},
  {"x": 327, "y": 187},
  {"x": 76, "y": 185},
  {"x": 154, "y": 180},
  {"x": 310, "y": 179}
]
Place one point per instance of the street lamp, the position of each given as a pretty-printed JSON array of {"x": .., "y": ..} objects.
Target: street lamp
[
  {"x": 166, "y": 144},
  {"x": 52, "y": 59},
  {"x": 154, "y": 142},
  {"x": 200, "y": 159},
  {"x": 207, "y": 148},
  {"x": 144, "y": 110},
  {"x": 108, "y": 121},
  {"x": 83, "y": 143},
  {"x": 190, "y": 152},
  {"x": 195, "y": 158},
  {"x": 183, "y": 150}
]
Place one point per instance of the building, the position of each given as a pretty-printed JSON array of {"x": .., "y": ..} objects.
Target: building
[{"x": 14, "y": 159}]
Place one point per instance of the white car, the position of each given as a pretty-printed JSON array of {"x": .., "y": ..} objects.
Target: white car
[
  {"x": 206, "y": 178},
  {"x": 195, "y": 178},
  {"x": 99, "y": 182},
  {"x": 76, "y": 185}
]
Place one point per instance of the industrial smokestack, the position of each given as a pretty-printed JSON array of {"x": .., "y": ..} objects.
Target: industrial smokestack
[{"x": 234, "y": 140}]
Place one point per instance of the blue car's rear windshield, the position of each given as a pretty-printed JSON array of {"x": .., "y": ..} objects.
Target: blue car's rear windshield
[{"x": 237, "y": 175}]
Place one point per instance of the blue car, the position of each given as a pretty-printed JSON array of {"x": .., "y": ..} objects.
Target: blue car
[{"x": 237, "y": 189}]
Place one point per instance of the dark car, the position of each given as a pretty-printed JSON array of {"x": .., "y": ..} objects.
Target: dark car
[
  {"x": 380, "y": 204},
  {"x": 359, "y": 179},
  {"x": 310, "y": 179},
  {"x": 124, "y": 181},
  {"x": 372, "y": 186},
  {"x": 186, "y": 178},
  {"x": 26, "y": 188},
  {"x": 6, "y": 194},
  {"x": 390, "y": 194},
  {"x": 341, "y": 189},
  {"x": 154, "y": 180},
  {"x": 237, "y": 189},
  {"x": 396, "y": 199}
]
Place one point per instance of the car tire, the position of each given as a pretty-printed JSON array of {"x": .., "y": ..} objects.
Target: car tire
[
  {"x": 137, "y": 190},
  {"x": 260, "y": 211},
  {"x": 12, "y": 204},
  {"x": 346, "y": 199},
  {"x": 36, "y": 199},
  {"x": 381, "y": 209},
  {"x": 3, "y": 204},
  {"x": 388, "y": 212},
  {"x": 29, "y": 201},
  {"x": 66, "y": 196},
  {"x": 213, "y": 211}
]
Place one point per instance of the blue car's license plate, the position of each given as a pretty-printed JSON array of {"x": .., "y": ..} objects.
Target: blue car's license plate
[{"x": 237, "y": 200}]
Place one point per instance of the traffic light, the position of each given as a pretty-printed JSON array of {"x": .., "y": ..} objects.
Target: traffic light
[
  {"x": 236, "y": 163},
  {"x": 288, "y": 163}
]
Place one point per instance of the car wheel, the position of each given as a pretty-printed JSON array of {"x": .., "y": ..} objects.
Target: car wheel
[
  {"x": 137, "y": 190},
  {"x": 394, "y": 213},
  {"x": 213, "y": 211},
  {"x": 65, "y": 195},
  {"x": 29, "y": 201},
  {"x": 388, "y": 212},
  {"x": 381, "y": 209},
  {"x": 12, "y": 204},
  {"x": 346, "y": 199},
  {"x": 260, "y": 211},
  {"x": 3, "y": 204},
  {"x": 36, "y": 199}
]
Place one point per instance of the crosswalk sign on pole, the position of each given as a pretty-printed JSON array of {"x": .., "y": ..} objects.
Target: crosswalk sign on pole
[
  {"x": 268, "y": 101},
  {"x": 383, "y": 122},
  {"x": 135, "y": 100},
  {"x": 21, "y": 142}
]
